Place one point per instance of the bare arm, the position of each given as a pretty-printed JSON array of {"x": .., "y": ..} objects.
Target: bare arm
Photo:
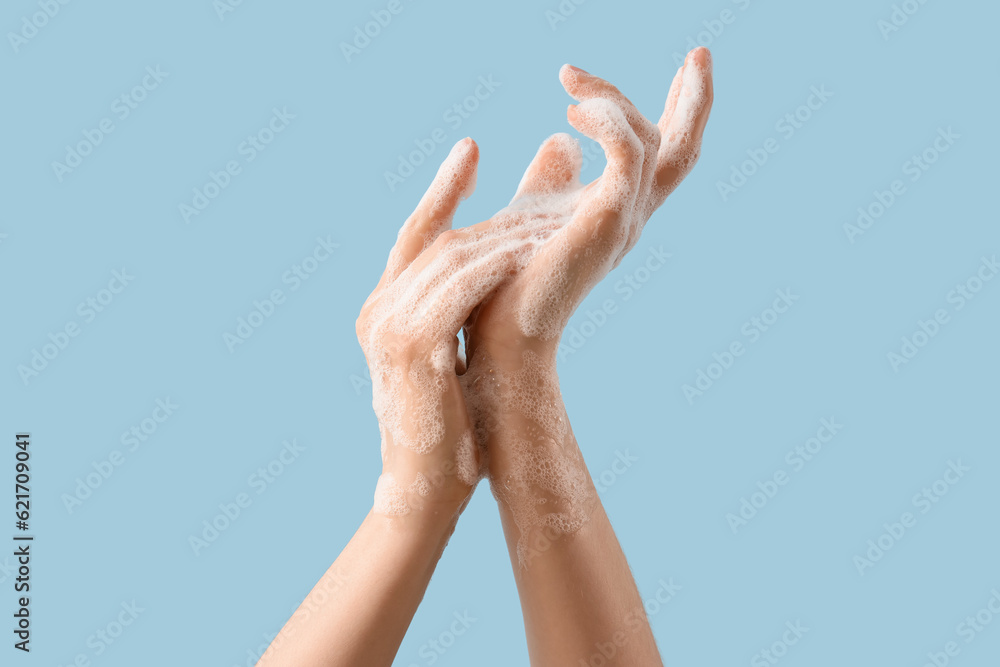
[
  {"x": 360, "y": 609},
  {"x": 573, "y": 580},
  {"x": 575, "y": 586}
]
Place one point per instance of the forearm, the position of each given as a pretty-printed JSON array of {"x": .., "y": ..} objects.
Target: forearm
[
  {"x": 578, "y": 595},
  {"x": 574, "y": 582},
  {"x": 360, "y": 609}
]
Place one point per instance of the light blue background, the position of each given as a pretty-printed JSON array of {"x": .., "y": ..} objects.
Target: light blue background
[{"x": 298, "y": 375}]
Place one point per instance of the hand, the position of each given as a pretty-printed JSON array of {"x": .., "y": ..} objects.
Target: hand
[
  {"x": 598, "y": 223},
  {"x": 582, "y": 231},
  {"x": 408, "y": 330}
]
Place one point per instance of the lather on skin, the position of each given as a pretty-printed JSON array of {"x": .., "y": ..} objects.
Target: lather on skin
[{"x": 509, "y": 285}]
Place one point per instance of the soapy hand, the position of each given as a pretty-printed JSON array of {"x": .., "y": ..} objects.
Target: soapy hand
[
  {"x": 578, "y": 233},
  {"x": 594, "y": 225},
  {"x": 408, "y": 330}
]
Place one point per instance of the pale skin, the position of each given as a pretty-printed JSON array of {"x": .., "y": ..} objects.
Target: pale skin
[{"x": 574, "y": 583}]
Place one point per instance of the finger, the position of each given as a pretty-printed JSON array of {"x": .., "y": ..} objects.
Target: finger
[
  {"x": 607, "y": 207},
  {"x": 556, "y": 167},
  {"x": 451, "y": 252},
  {"x": 604, "y": 122},
  {"x": 672, "y": 95},
  {"x": 468, "y": 287},
  {"x": 583, "y": 86},
  {"x": 455, "y": 180},
  {"x": 683, "y": 123},
  {"x": 453, "y": 283}
]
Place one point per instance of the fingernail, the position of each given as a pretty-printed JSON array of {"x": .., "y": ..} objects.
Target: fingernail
[{"x": 571, "y": 112}]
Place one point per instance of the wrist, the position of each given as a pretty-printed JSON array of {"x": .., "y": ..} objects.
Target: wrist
[
  {"x": 416, "y": 533},
  {"x": 424, "y": 497},
  {"x": 508, "y": 352}
]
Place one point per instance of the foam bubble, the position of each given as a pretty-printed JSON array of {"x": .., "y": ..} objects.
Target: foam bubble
[{"x": 390, "y": 499}]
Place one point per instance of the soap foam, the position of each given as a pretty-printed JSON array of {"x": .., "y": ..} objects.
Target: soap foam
[
  {"x": 391, "y": 499},
  {"x": 544, "y": 484}
]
